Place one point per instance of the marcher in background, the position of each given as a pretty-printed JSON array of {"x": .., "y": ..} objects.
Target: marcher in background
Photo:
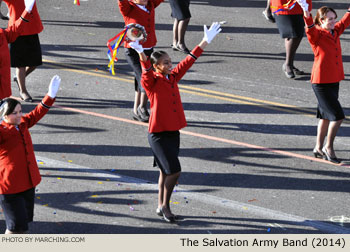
[
  {"x": 180, "y": 11},
  {"x": 167, "y": 113},
  {"x": 26, "y": 50},
  {"x": 267, "y": 13},
  {"x": 324, "y": 34},
  {"x": 290, "y": 23},
  {"x": 18, "y": 166},
  {"x": 141, "y": 12},
  {"x": 9, "y": 35}
]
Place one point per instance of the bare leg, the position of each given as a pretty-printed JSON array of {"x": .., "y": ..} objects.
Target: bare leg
[
  {"x": 169, "y": 184},
  {"x": 137, "y": 100},
  {"x": 21, "y": 73},
  {"x": 291, "y": 45},
  {"x": 161, "y": 181},
  {"x": 332, "y": 132},
  {"x": 143, "y": 100},
  {"x": 268, "y": 10},
  {"x": 322, "y": 130},
  {"x": 182, "y": 27},
  {"x": 175, "y": 32}
]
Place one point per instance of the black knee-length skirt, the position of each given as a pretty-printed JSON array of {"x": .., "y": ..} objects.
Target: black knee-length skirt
[
  {"x": 165, "y": 147},
  {"x": 180, "y": 9},
  {"x": 26, "y": 51},
  {"x": 328, "y": 105},
  {"x": 290, "y": 26}
]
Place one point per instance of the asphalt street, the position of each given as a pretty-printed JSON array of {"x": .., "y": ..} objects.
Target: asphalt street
[{"x": 246, "y": 153}]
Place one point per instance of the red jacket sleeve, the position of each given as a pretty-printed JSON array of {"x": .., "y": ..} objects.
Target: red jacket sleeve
[
  {"x": 40, "y": 110},
  {"x": 157, "y": 2},
  {"x": 343, "y": 23},
  {"x": 311, "y": 32},
  {"x": 147, "y": 78},
  {"x": 181, "y": 68},
  {"x": 124, "y": 7},
  {"x": 15, "y": 30}
]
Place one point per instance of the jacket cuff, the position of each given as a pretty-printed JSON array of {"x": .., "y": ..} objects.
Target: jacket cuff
[
  {"x": 146, "y": 66},
  {"x": 47, "y": 102},
  {"x": 309, "y": 21},
  {"x": 26, "y": 16},
  {"x": 196, "y": 52}
]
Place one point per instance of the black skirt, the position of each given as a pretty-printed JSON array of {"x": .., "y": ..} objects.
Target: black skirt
[
  {"x": 180, "y": 9},
  {"x": 165, "y": 147},
  {"x": 18, "y": 209},
  {"x": 26, "y": 51},
  {"x": 328, "y": 105},
  {"x": 290, "y": 26}
]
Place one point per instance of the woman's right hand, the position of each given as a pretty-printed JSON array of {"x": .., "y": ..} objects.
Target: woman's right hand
[{"x": 136, "y": 46}]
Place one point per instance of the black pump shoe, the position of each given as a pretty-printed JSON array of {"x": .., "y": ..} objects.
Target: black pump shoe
[
  {"x": 318, "y": 154},
  {"x": 289, "y": 75},
  {"x": 329, "y": 158}
]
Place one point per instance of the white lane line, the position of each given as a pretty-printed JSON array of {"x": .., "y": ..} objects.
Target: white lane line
[{"x": 205, "y": 198}]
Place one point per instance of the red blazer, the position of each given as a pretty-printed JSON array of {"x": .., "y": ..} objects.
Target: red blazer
[
  {"x": 328, "y": 63},
  {"x": 18, "y": 167},
  {"x": 9, "y": 35},
  {"x": 167, "y": 113},
  {"x": 16, "y": 7},
  {"x": 277, "y": 4},
  {"x": 133, "y": 14}
]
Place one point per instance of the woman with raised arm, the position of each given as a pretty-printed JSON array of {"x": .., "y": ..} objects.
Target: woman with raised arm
[
  {"x": 167, "y": 114},
  {"x": 323, "y": 34}
]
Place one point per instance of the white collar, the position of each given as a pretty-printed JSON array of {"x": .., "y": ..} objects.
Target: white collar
[{"x": 142, "y": 7}]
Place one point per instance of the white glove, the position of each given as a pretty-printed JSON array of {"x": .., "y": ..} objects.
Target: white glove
[
  {"x": 54, "y": 85},
  {"x": 212, "y": 32},
  {"x": 304, "y": 5},
  {"x": 29, "y": 5},
  {"x": 136, "y": 46}
]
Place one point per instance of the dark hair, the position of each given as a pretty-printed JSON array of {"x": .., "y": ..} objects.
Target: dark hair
[
  {"x": 155, "y": 56},
  {"x": 7, "y": 106},
  {"x": 321, "y": 14}
]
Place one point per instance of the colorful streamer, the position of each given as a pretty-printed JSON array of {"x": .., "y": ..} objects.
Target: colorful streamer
[
  {"x": 285, "y": 7},
  {"x": 77, "y": 2},
  {"x": 113, "y": 50}
]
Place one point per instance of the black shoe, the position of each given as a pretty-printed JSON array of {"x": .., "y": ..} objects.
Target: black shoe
[
  {"x": 183, "y": 49},
  {"x": 329, "y": 158},
  {"x": 289, "y": 75},
  {"x": 159, "y": 212},
  {"x": 268, "y": 17},
  {"x": 169, "y": 219},
  {"x": 297, "y": 71},
  {"x": 143, "y": 114},
  {"x": 318, "y": 154},
  {"x": 136, "y": 117},
  {"x": 28, "y": 98}
]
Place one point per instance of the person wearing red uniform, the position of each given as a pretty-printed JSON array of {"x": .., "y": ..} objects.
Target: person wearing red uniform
[
  {"x": 9, "y": 35},
  {"x": 167, "y": 113},
  {"x": 324, "y": 34},
  {"x": 26, "y": 50},
  {"x": 290, "y": 25},
  {"x": 141, "y": 12},
  {"x": 18, "y": 167}
]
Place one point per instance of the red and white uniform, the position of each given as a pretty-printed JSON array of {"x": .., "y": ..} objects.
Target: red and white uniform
[
  {"x": 328, "y": 63},
  {"x": 167, "y": 113},
  {"x": 7, "y": 36},
  {"x": 16, "y": 7},
  {"x": 134, "y": 14},
  {"x": 278, "y": 4},
  {"x": 18, "y": 167}
]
